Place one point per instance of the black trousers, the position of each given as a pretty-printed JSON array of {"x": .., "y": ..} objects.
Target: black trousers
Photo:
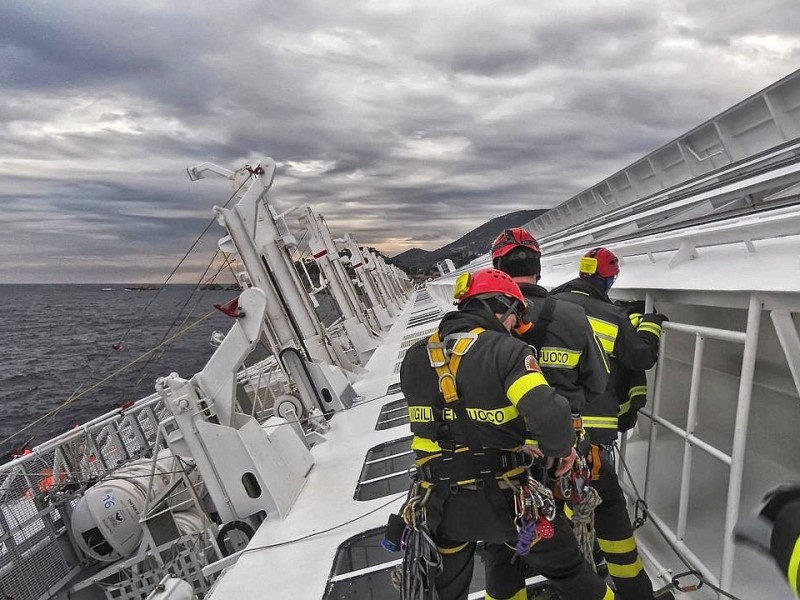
[
  {"x": 558, "y": 559},
  {"x": 615, "y": 535}
]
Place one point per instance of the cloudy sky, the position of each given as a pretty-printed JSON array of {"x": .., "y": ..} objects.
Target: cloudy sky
[{"x": 407, "y": 123}]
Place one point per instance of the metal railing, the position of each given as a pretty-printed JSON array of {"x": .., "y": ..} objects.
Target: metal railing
[
  {"x": 734, "y": 460},
  {"x": 39, "y": 489}
]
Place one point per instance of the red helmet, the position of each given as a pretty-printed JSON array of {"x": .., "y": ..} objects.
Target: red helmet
[
  {"x": 486, "y": 281},
  {"x": 513, "y": 238},
  {"x": 600, "y": 261}
]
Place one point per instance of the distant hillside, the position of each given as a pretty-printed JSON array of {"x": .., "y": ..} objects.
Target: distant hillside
[{"x": 467, "y": 247}]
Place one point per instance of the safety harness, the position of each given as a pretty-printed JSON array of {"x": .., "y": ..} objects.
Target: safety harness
[
  {"x": 474, "y": 465},
  {"x": 465, "y": 466},
  {"x": 470, "y": 466}
]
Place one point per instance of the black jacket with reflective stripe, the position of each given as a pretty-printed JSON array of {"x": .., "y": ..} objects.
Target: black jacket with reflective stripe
[
  {"x": 570, "y": 357},
  {"x": 500, "y": 384},
  {"x": 635, "y": 350}
]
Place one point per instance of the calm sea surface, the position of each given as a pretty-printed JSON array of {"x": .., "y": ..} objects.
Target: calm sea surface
[{"x": 57, "y": 339}]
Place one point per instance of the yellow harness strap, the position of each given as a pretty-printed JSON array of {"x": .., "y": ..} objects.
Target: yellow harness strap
[{"x": 446, "y": 368}]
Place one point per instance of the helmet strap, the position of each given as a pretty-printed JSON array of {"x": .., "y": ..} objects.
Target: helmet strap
[{"x": 488, "y": 308}]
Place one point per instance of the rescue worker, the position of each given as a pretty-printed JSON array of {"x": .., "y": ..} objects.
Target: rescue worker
[
  {"x": 627, "y": 348},
  {"x": 568, "y": 352},
  {"x": 774, "y": 528},
  {"x": 472, "y": 391}
]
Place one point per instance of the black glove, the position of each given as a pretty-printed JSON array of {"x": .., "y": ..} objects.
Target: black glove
[
  {"x": 628, "y": 419},
  {"x": 755, "y": 530},
  {"x": 656, "y": 318}
]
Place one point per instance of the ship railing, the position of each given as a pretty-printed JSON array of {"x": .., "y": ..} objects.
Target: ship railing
[
  {"x": 754, "y": 131},
  {"x": 39, "y": 489},
  {"x": 735, "y": 460}
]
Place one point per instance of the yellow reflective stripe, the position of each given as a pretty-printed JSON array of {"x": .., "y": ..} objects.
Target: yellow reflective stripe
[
  {"x": 794, "y": 566},
  {"x": 420, "y": 414},
  {"x": 637, "y": 390},
  {"x": 530, "y": 442},
  {"x": 635, "y": 318},
  {"x": 523, "y": 385},
  {"x": 453, "y": 550},
  {"x": 495, "y": 416},
  {"x": 609, "y": 595},
  {"x": 424, "y": 444},
  {"x": 653, "y": 328},
  {"x": 617, "y": 546},
  {"x": 623, "y": 408},
  {"x": 520, "y": 595},
  {"x": 606, "y": 332},
  {"x": 559, "y": 358},
  {"x": 602, "y": 352},
  {"x": 626, "y": 571},
  {"x": 600, "y": 422},
  {"x": 568, "y": 511}
]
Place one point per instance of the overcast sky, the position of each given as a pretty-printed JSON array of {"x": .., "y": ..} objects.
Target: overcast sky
[{"x": 405, "y": 123}]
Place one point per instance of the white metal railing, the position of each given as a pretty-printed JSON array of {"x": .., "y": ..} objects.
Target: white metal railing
[
  {"x": 734, "y": 460},
  {"x": 39, "y": 488}
]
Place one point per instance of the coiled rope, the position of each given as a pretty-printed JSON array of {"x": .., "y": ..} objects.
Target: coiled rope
[
  {"x": 415, "y": 575},
  {"x": 583, "y": 524}
]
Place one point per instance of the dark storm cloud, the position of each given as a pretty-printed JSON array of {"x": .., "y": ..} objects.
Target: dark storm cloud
[{"x": 405, "y": 124}]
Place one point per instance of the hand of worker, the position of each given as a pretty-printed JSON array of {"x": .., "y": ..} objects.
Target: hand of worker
[
  {"x": 565, "y": 463},
  {"x": 532, "y": 451},
  {"x": 657, "y": 318}
]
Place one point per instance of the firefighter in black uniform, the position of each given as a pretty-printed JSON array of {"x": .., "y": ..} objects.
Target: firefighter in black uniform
[
  {"x": 635, "y": 349},
  {"x": 774, "y": 528},
  {"x": 568, "y": 352},
  {"x": 469, "y": 435}
]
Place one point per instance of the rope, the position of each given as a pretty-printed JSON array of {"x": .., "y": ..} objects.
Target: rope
[
  {"x": 143, "y": 367},
  {"x": 583, "y": 524},
  {"x": 421, "y": 561},
  {"x": 94, "y": 386},
  {"x": 248, "y": 550},
  {"x": 75, "y": 395},
  {"x": 414, "y": 576}
]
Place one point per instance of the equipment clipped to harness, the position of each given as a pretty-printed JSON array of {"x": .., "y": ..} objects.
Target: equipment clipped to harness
[
  {"x": 414, "y": 576},
  {"x": 575, "y": 483},
  {"x": 535, "y": 509}
]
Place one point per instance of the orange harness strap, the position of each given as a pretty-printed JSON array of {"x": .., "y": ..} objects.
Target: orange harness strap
[{"x": 595, "y": 462}]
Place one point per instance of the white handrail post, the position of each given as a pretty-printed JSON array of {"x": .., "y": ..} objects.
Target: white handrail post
[
  {"x": 651, "y": 446},
  {"x": 740, "y": 437},
  {"x": 691, "y": 423}
]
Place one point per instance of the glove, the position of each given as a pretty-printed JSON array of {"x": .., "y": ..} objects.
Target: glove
[
  {"x": 755, "y": 530},
  {"x": 651, "y": 323},
  {"x": 628, "y": 419},
  {"x": 656, "y": 318}
]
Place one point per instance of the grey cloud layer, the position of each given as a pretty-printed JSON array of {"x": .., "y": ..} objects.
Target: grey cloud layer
[{"x": 406, "y": 123}]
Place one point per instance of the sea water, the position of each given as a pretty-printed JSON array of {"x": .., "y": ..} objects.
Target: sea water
[{"x": 59, "y": 340}]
